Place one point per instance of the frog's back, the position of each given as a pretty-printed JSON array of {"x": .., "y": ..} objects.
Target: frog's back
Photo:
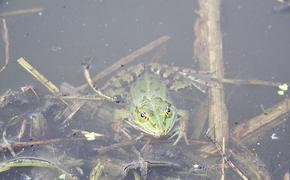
[{"x": 147, "y": 86}]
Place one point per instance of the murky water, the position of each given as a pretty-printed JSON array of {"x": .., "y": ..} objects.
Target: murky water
[{"x": 58, "y": 39}]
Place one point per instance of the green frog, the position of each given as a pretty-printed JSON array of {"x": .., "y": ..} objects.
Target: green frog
[{"x": 148, "y": 107}]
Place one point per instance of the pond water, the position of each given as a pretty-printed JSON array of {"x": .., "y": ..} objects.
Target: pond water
[{"x": 59, "y": 38}]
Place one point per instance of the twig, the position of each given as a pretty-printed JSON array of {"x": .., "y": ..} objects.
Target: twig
[
  {"x": 223, "y": 161},
  {"x": 20, "y": 11},
  {"x": 39, "y": 142},
  {"x": 226, "y": 159},
  {"x": 5, "y": 38},
  {"x": 93, "y": 86},
  {"x": 81, "y": 98},
  {"x": 48, "y": 84},
  {"x": 7, "y": 144},
  {"x": 248, "y": 82}
]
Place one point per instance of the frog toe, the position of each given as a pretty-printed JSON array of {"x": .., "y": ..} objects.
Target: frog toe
[{"x": 180, "y": 135}]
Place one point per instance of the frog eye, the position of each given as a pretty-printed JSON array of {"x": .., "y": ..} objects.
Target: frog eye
[
  {"x": 168, "y": 110},
  {"x": 143, "y": 114}
]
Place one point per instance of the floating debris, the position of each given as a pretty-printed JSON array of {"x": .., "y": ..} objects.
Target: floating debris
[
  {"x": 274, "y": 136},
  {"x": 91, "y": 136},
  {"x": 282, "y": 89}
]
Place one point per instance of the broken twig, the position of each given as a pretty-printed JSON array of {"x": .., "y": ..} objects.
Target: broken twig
[
  {"x": 20, "y": 11},
  {"x": 5, "y": 38},
  {"x": 48, "y": 84}
]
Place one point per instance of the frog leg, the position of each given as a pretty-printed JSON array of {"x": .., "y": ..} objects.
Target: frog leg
[
  {"x": 142, "y": 164},
  {"x": 181, "y": 131},
  {"x": 183, "y": 77},
  {"x": 119, "y": 116},
  {"x": 124, "y": 77}
]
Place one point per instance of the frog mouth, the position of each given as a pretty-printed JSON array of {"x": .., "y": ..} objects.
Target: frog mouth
[{"x": 153, "y": 131}]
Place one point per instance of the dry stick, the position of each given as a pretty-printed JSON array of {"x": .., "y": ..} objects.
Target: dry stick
[
  {"x": 22, "y": 129},
  {"x": 80, "y": 98},
  {"x": 208, "y": 49},
  {"x": 248, "y": 82},
  {"x": 4, "y": 30},
  {"x": 149, "y": 47},
  {"x": 7, "y": 144},
  {"x": 218, "y": 110},
  {"x": 5, "y": 38},
  {"x": 48, "y": 84},
  {"x": 20, "y": 11}
]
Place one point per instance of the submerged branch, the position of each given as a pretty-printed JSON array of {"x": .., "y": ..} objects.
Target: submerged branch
[
  {"x": 20, "y": 11},
  {"x": 39, "y": 142}
]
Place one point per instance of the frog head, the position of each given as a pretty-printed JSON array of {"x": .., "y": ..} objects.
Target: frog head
[{"x": 155, "y": 116}]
